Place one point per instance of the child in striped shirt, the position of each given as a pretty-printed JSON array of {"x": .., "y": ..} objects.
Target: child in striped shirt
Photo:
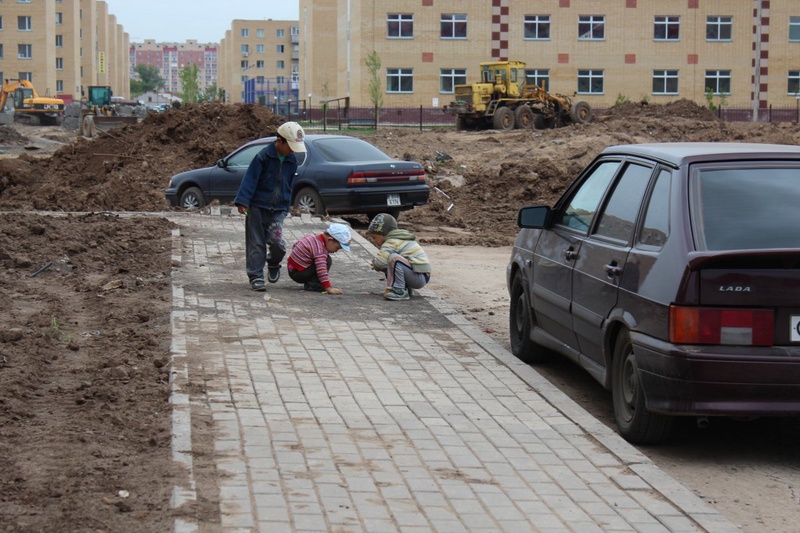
[{"x": 310, "y": 260}]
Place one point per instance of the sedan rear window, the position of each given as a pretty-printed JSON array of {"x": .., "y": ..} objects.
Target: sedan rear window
[
  {"x": 747, "y": 208},
  {"x": 348, "y": 149}
]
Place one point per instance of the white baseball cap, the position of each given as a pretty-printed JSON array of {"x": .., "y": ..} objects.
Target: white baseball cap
[
  {"x": 341, "y": 233},
  {"x": 294, "y": 135}
]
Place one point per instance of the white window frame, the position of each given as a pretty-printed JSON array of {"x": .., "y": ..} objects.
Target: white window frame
[
  {"x": 588, "y": 78},
  {"x": 396, "y": 23},
  {"x": 664, "y": 78},
  {"x": 397, "y": 77},
  {"x": 59, "y": 63},
  {"x": 280, "y": 64},
  {"x": 536, "y": 24},
  {"x": 25, "y": 23},
  {"x": 24, "y": 51},
  {"x": 718, "y": 77},
  {"x": 669, "y": 26},
  {"x": 793, "y": 81},
  {"x": 591, "y": 27},
  {"x": 794, "y": 29},
  {"x": 454, "y": 21},
  {"x": 451, "y": 77},
  {"x": 535, "y": 77},
  {"x": 245, "y": 32},
  {"x": 721, "y": 23}
]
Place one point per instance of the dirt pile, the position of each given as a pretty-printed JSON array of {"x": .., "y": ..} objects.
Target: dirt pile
[{"x": 127, "y": 169}]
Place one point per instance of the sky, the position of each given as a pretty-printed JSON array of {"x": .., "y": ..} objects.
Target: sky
[{"x": 204, "y": 20}]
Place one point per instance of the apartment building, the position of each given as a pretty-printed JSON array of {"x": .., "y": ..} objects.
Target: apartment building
[
  {"x": 260, "y": 62},
  {"x": 747, "y": 52},
  {"x": 171, "y": 58},
  {"x": 63, "y": 45}
]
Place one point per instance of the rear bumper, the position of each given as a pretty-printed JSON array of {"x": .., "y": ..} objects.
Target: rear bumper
[
  {"x": 710, "y": 380},
  {"x": 364, "y": 200}
]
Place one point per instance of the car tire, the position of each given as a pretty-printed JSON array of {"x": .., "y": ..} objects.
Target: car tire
[
  {"x": 309, "y": 200},
  {"x": 192, "y": 198},
  {"x": 635, "y": 423},
  {"x": 520, "y": 325}
]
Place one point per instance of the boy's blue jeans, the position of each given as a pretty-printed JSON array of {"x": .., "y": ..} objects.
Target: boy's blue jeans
[
  {"x": 400, "y": 275},
  {"x": 263, "y": 230}
]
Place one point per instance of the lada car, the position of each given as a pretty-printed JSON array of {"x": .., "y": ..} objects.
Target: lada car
[{"x": 671, "y": 273}]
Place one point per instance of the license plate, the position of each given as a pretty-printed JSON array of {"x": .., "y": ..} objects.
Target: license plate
[
  {"x": 794, "y": 328},
  {"x": 392, "y": 199}
]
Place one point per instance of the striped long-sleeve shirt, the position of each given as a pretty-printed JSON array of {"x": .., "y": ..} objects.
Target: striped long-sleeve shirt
[{"x": 311, "y": 251}]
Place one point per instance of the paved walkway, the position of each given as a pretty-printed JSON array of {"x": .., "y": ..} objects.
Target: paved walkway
[{"x": 353, "y": 414}]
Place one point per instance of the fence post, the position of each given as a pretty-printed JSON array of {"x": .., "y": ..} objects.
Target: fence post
[{"x": 420, "y": 118}]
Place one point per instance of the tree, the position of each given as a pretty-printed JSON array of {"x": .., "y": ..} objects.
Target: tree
[
  {"x": 373, "y": 62},
  {"x": 191, "y": 89},
  {"x": 209, "y": 94},
  {"x": 149, "y": 79}
]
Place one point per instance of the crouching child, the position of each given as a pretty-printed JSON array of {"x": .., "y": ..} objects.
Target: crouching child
[
  {"x": 400, "y": 257},
  {"x": 310, "y": 260}
]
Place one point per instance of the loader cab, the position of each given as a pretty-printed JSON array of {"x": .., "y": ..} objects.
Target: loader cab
[{"x": 20, "y": 95}]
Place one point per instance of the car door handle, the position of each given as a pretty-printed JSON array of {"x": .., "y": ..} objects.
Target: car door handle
[
  {"x": 612, "y": 270},
  {"x": 569, "y": 254}
]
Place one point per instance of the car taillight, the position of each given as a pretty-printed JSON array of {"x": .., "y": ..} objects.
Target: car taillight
[
  {"x": 382, "y": 176},
  {"x": 700, "y": 325}
]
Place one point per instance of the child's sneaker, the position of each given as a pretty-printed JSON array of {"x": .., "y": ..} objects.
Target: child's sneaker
[
  {"x": 395, "y": 294},
  {"x": 274, "y": 273},
  {"x": 258, "y": 285}
]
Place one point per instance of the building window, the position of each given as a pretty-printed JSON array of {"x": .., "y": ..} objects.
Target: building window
[
  {"x": 665, "y": 82},
  {"x": 1, "y": 55},
  {"x": 59, "y": 18},
  {"x": 244, "y": 64},
  {"x": 718, "y": 81},
  {"x": 279, "y": 49},
  {"x": 537, "y": 27},
  {"x": 453, "y": 26},
  {"x": 794, "y": 82},
  {"x": 280, "y": 65},
  {"x": 245, "y": 32},
  {"x": 667, "y": 29},
  {"x": 295, "y": 30},
  {"x": 794, "y": 29},
  {"x": 245, "y": 48},
  {"x": 1, "y": 22},
  {"x": 399, "y": 80},
  {"x": 450, "y": 77},
  {"x": 59, "y": 63},
  {"x": 27, "y": 76},
  {"x": 59, "y": 86},
  {"x": 539, "y": 77},
  {"x": 399, "y": 25},
  {"x": 24, "y": 23},
  {"x": 260, "y": 34},
  {"x": 719, "y": 28},
  {"x": 280, "y": 80},
  {"x": 259, "y": 48},
  {"x": 60, "y": 41},
  {"x": 24, "y": 51},
  {"x": 591, "y": 27},
  {"x": 280, "y": 33},
  {"x": 590, "y": 82},
  {"x": 260, "y": 64}
]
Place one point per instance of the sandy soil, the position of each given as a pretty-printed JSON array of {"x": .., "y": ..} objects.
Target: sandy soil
[{"x": 84, "y": 298}]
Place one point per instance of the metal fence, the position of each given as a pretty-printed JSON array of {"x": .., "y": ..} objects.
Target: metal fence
[{"x": 344, "y": 117}]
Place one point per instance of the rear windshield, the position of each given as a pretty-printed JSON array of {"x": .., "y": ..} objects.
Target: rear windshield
[
  {"x": 747, "y": 208},
  {"x": 348, "y": 149}
]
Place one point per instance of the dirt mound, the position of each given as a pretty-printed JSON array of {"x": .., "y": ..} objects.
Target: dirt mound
[
  {"x": 682, "y": 108},
  {"x": 127, "y": 169},
  {"x": 10, "y": 136}
]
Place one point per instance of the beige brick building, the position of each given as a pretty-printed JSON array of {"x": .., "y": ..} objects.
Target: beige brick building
[
  {"x": 746, "y": 51},
  {"x": 262, "y": 56},
  {"x": 63, "y": 45}
]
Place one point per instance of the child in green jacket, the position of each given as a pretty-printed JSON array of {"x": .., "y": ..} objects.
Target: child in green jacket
[{"x": 400, "y": 257}]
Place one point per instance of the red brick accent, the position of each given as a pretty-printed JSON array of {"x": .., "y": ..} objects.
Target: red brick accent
[
  {"x": 427, "y": 3},
  {"x": 631, "y": 4},
  {"x": 563, "y": 3},
  {"x": 630, "y": 59},
  {"x": 427, "y": 57},
  {"x": 692, "y": 59},
  {"x": 563, "y": 58},
  {"x": 693, "y": 4}
]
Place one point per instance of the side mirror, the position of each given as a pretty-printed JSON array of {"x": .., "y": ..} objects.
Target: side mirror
[
  {"x": 221, "y": 163},
  {"x": 534, "y": 217}
]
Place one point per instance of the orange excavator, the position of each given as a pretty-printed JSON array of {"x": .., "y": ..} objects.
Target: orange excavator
[{"x": 28, "y": 106}]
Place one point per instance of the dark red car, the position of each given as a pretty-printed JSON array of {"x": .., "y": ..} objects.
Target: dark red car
[{"x": 671, "y": 273}]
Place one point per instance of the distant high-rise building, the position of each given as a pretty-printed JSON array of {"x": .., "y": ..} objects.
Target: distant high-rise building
[{"x": 171, "y": 58}]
